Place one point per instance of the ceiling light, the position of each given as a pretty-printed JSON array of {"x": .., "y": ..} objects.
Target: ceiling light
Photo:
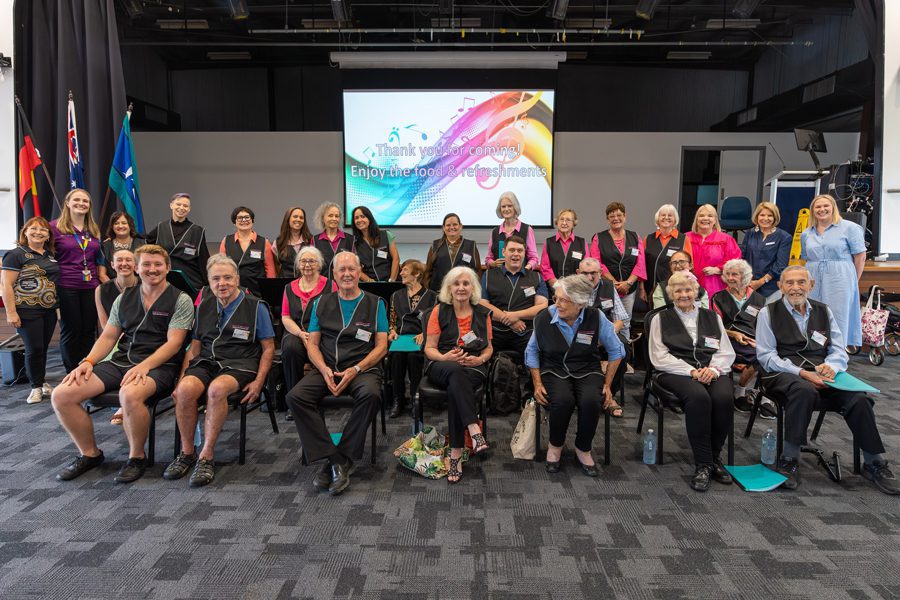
[
  {"x": 732, "y": 23},
  {"x": 228, "y": 55},
  {"x": 646, "y": 8},
  {"x": 448, "y": 60},
  {"x": 341, "y": 11},
  {"x": 744, "y": 8},
  {"x": 688, "y": 55},
  {"x": 465, "y": 23},
  {"x": 182, "y": 23},
  {"x": 239, "y": 10},
  {"x": 559, "y": 9}
]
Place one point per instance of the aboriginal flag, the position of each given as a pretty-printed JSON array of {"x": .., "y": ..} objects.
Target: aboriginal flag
[{"x": 29, "y": 160}]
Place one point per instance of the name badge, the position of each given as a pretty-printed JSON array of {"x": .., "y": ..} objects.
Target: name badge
[
  {"x": 606, "y": 304},
  {"x": 577, "y": 255},
  {"x": 818, "y": 337},
  {"x": 584, "y": 338},
  {"x": 529, "y": 291},
  {"x": 382, "y": 254},
  {"x": 635, "y": 251},
  {"x": 363, "y": 335},
  {"x": 467, "y": 258},
  {"x": 190, "y": 251},
  {"x": 770, "y": 243},
  {"x": 752, "y": 310},
  {"x": 241, "y": 334},
  {"x": 469, "y": 337},
  {"x": 256, "y": 254},
  {"x": 670, "y": 251},
  {"x": 710, "y": 342}
]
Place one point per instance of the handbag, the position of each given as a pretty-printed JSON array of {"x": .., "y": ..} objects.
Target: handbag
[
  {"x": 427, "y": 453},
  {"x": 522, "y": 442},
  {"x": 874, "y": 320}
]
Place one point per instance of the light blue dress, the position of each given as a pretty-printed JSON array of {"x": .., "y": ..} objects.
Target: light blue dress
[{"x": 829, "y": 258}]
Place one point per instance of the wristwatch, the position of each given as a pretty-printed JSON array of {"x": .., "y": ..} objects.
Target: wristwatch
[{"x": 358, "y": 370}]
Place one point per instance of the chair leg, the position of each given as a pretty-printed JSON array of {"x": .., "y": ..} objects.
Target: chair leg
[
  {"x": 819, "y": 420},
  {"x": 177, "y": 446},
  {"x": 659, "y": 438},
  {"x": 419, "y": 414},
  {"x": 856, "y": 453},
  {"x": 731, "y": 441},
  {"x": 151, "y": 438},
  {"x": 779, "y": 431},
  {"x": 374, "y": 435},
  {"x": 640, "y": 423},
  {"x": 383, "y": 425},
  {"x": 271, "y": 406},
  {"x": 242, "y": 441},
  {"x": 537, "y": 432},
  {"x": 606, "y": 439}
]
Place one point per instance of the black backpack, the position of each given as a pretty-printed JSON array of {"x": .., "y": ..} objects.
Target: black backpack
[{"x": 508, "y": 382}]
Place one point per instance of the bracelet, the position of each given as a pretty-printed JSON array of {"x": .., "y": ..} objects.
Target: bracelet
[
  {"x": 358, "y": 370},
  {"x": 88, "y": 361}
]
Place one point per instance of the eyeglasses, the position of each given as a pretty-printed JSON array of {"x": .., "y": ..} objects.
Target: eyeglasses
[
  {"x": 679, "y": 262},
  {"x": 308, "y": 261},
  {"x": 590, "y": 273},
  {"x": 565, "y": 220},
  {"x": 244, "y": 218}
]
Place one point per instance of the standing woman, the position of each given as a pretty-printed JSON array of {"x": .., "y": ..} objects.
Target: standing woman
[
  {"x": 660, "y": 245},
  {"x": 184, "y": 241},
  {"x": 293, "y": 235},
  {"x": 680, "y": 261},
  {"x": 711, "y": 249},
  {"x": 767, "y": 249},
  {"x": 835, "y": 253},
  {"x": 332, "y": 239},
  {"x": 375, "y": 247},
  {"x": 76, "y": 238},
  {"x": 458, "y": 347},
  {"x": 452, "y": 250},
  {"x": 28, "y": 282},
  {"x": 251, "y": 252},
  {"x": 621, "y": 252},
  {"x": 508, "y": 209},
  {"x": 562, "y": 252},
  {"x": 120, "y": 235}
]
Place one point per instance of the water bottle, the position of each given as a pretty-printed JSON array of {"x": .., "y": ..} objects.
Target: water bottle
[
  {"x": 198, "y": 436},
  {"x": 650, "y": 447},
  {"x": 767, "y": 448}
]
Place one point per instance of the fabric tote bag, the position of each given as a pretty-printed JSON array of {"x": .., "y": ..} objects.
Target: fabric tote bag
[
  {"x": 522, "y": 442},
  {"x": 874, "y": 320}
]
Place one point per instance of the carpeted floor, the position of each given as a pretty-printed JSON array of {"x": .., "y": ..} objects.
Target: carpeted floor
[{"x": 508, "y": 530}]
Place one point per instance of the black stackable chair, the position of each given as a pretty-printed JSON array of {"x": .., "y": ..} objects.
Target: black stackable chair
[{"x": 158, "y": 404}]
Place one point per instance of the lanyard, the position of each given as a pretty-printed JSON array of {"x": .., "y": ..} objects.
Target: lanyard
[{"x": 83, "y": 242}]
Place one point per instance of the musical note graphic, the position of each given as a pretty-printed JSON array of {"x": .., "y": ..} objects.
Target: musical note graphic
[
  {"x": 395, "y": 134},
  {"x": 413, "y": 128},
  {"x": 370, "y": 153},
  {"x": 463, "y": 107}
]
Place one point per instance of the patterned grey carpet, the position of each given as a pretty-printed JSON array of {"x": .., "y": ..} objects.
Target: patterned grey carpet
[{"x": 508, "y": 530}]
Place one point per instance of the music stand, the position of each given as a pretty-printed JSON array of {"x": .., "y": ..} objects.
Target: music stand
[
  {"x": 382, "y": 289},
  {"x": 272, "y": 291},
  {"x": 177, "y": 278}
]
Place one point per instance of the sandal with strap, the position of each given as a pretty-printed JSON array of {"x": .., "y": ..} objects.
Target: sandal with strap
[
  {"x": 454, "y": 474},
  {"x": 479, "y": 443},
  {"x": 614, "y": 410}
]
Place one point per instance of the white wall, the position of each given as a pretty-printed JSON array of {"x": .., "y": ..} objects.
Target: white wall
[
  {"x": 890, "y": 149},
  {"x": 8, "y": 198},
  {"x": 271, "y": 171}
]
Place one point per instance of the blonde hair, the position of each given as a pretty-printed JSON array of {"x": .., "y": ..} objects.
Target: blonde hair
[
  {"x": 454, "y": 274},
  {"x": 564, "y": 211},
  {"x": 64, "y": 223},
  {"x": 704, "y": 208},
  {"x": 667, "y": 208},
  {"x": 769, "y": 206},
  {"x": 682, "y": 278},
  {"x": 153, "y": 249},
  {"x": 835, "y": 213}
]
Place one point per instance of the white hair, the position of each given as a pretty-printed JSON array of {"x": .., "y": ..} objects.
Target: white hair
[
  {"x": 666, "y": 208},
  {"x": 577, "y": 287},
  {"x": 741, "y": 266},
  {"x": 681, "y": 278},
  {"x": 454, "y": 274},
  {"x": 586, "y": 262},
  {"x": 317, "y": 254},
  {"x": 221, "y": 259},
  {"x": 319, "y": 216},
  {"x": 515, "y": 202}
]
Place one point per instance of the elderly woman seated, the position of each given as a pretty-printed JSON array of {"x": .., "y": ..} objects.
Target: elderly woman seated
[
  {"x": 564, "y": 353},
  {"x": 691, "y": 351}
]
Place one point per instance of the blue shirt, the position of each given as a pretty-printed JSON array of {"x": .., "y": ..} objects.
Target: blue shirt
[
  {"x": 347, "y": 308},
  {"x": 264, "y": 329},
  {"x": 767, "y": 350},
  {"x": 541, "y": 289},
  {"x": 608, "y": 338},
  {"x": 767, "y": 257}
]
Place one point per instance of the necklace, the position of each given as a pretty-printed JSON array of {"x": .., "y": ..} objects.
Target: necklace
[{"x": 122, "y": 289}]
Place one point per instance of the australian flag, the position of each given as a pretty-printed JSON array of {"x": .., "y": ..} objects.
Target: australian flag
[{"x": 76, "y": 167}]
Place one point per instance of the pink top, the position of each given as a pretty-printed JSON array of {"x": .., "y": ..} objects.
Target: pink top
[
  {"x": 337, "y": 239},
  {"x": 531, "y": 255},
  {"x": 304, "y": 296},
  {"x": 640, "y": 268},
  {"x": 546, "y": 270},
  {"x": 714, "y": 250}
]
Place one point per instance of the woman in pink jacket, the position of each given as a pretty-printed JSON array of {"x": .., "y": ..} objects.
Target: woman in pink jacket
[{"x": 712, "y": 249}]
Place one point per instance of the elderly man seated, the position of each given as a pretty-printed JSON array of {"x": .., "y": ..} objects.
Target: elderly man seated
[
  {"x": 798, "y": 364},
  {"x": 232, "y": 351},
  {"x": 347, "y": 340}
]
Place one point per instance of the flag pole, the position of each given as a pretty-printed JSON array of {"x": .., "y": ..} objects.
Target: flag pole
[
  {"x": 109, "y": 189},
  {"x": 43, "y": 163}
]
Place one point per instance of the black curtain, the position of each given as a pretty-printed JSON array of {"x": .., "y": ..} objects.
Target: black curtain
[
  {"x": 869, "y": 13},
  {"x": 64, "y": 45}
]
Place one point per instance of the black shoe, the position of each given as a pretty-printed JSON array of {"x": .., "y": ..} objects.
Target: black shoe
[
  {"x": 553, "y": 467},
  {"x": 790, "y": 468},
  {"x": 879, "y": 474},
  {"x": 132, "y": 470},
  {"x": 767, "y": 409},
  {"x": 700, "y": 480},
  {"x": 396, "y": 408},
  {"x": 78, "y": 467},
  {"x": 203, "y": 473},
  {"x": 179, "y": 467},
  {"x": 719, "y": 473},
  {"x": 340, "y": 478},
  {"x": 289, "y": 416},
  {"x": 323, "y": 479},
  {"x": 742, "y": 404},
  {"x": 587, "y": 470}
]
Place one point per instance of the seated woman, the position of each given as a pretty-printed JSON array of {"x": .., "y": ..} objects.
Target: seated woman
[
  {"x": 570, "y": 340},
  {"x": 457, "y": 349},
  {"x": 375, "y": 247},
  {"x": 680, "y": 261},
  {"x": 690, "y": 349},
  {"x": 407, "y": 306}
]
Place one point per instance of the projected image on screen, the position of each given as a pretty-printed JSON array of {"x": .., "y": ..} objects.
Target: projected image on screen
[{"x": 413, "y": 156}]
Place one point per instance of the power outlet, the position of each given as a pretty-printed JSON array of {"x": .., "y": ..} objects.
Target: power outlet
[{"x": 831, "y": 187}]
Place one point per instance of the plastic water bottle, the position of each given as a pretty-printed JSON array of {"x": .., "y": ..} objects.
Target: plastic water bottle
[
  {"x": 198, "y": 436},
  {"x": 767, "y": 448},
  {"x": 650, "y": 447}
]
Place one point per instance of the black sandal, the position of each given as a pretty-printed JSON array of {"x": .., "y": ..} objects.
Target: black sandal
[
  {"x": 454, "y": 471},
  {"x": 479, "y": 443}
]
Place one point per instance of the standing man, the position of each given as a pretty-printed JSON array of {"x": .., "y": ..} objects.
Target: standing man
[{"x": 184, "y": 241}]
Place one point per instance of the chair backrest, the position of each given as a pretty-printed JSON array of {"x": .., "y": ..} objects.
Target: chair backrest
[
  {"x": 856, "y": 217},
  {"x": 736, "y": 207},
  {"x": 648, "y": 321}
]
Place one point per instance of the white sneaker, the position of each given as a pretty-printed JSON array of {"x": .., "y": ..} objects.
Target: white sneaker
[
  {"x": 35, "y": 396},
  {"x": 47, "y": 390}
]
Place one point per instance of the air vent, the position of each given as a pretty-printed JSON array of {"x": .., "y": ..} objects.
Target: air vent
[
  {"x": 465, "y": 23},
  {"x": 732, "y": 24},
  {"x": 578, "y": 23},
  {"x": 688, "y": 55},
  {"x": 746, "y": 116},
  {"x": 228, "y": 55},
  {"x": 819, "y": 89},
  {"x": 182, "y": 24}
]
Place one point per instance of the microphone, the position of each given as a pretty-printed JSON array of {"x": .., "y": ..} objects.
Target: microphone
[{"x": 783, "y": 166}]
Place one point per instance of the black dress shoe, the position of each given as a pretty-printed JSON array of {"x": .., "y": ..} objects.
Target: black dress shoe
[
  {"x": 323, "y": 479},
  {"x": 790, "y": 468},
  {"x": 701, "y": 478},
  {"x": 81, "y": 465},
  {"x": 132, "y": 470},
  {"x": 719, "y": 473},
  {"x": 553, "y": 467},
  {"x": 340, "y": 478},
  {"x": 587, "y": 470},
  {"x": 396, "y": 408}
]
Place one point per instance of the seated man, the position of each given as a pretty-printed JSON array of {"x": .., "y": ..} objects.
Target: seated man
[
  {"x": 514, "y": 296},
  {"x": 232, "y": 350},
  {"x": 152, "y": 320},
  {"x": 347, "y": 340},
  {"x": 798, "y": 363}
]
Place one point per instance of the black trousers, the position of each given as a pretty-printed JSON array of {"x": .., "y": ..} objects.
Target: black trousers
[
  {"x": 506, "y": 340},
  {"x": 36, "y": 331},
  {"x": 77, "y": 325},
  {"x": 460, "y": 383},
  {"x": 802, "y": 399},
  {"x": 303, "y": 401},
  {"x": 565, "y": 394},
  {"x": 401, "y": 364},
  {"x": 708, "y": 411},
  {"x": 293, "y": 359}
]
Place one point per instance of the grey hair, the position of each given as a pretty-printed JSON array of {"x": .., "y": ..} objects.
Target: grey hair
[
  {"x": 792, "y": 268},
  {"x": 682, "y": 278},
  {"x": 512, "y": 198},
  {"x": 319, "y": 216},
  {"x": 590, "y": 260},
  {"x": 454, "y": 274},
  {"x": 343, "y": 253},
  {"x": 742, "y": 266},
  {"x": 178, "y": 195},
  {"x": 666, "y": 207},
  {"x": 317, "y": 254},
  {"x": 577, "y": 287},
  {"x": 222, "y": 259}
]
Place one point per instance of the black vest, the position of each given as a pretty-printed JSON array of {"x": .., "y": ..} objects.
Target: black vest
[
  {"x": 185, "y": 251},
  {"x": 235, "y": 346},
  {"x": 442, "y": 264},
  {"x": 656, "y": 257},
  {"x": 286, "y": 259},
  {"x": 619, "y": 264},
  {"x": 109, "y": 292},
  {"x": 565, "y": 264},
  {"x": 676, "y": 338},
  {"x": 376, "y": 262},
  {"x": 498, "y": 235},
  {"x": 108, "y": 248},
  {"x": 328, "y": 252},
  {"x": 743, "y": 319},
  {"x": 409, "y": 320},
  {"x": 342, "y": 347},
  {"x": 794, "y": 345},
  {"x": 144, "y": 332},
  {"x": 605, "y": 298},
  {"x": 251, "y": 262},
  {"x": 506, "y": 296},
  {"x": 449, "y": 338},
  {"x": 562, "y": 359},
  {"x": 298, "y": 313}
]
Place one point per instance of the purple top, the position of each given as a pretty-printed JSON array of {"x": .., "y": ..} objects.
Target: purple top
[{"x": 71, "y": 261}]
